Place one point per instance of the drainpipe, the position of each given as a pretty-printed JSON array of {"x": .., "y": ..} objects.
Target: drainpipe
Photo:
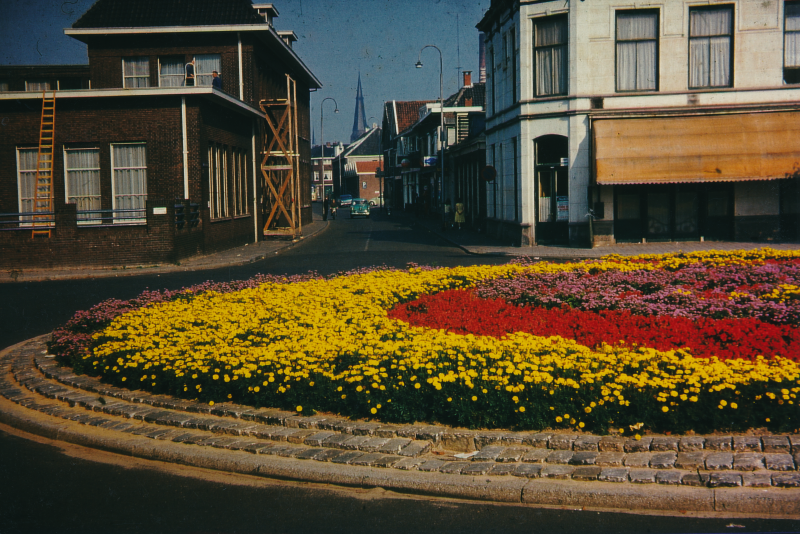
[
  {"x": 185, "y": 150},
  {"x": 241, "y": 78},
  {"x": 255, "y": 179}
]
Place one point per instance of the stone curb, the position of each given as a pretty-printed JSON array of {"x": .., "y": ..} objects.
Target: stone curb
[{"x": 769, "y": 501}]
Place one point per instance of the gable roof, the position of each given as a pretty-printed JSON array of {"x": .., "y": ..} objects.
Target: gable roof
[
  {"x": 474, "y": 95},
  {"x": 368, "y": 144},
  {"x": 408, "y": 113},
  {"x": 154, "y": 13}
]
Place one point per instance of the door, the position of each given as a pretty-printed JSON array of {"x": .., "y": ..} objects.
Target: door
[{"x": 552, "y": 223}]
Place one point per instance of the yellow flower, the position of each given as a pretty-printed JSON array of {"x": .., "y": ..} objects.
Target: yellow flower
[
  {"x": 211, "y": 403},
  {"x": 522, "y": 409},
  {"x": 373, "y": 411},
  {"x": 664, "y": 409},
  {"x": 474, "y": 398},
  {"x": 416, "y": 385},
  {"x": 299, "y": 408},
  {"x": 558, "y": 419},
  {"x": 734, "y": 405}
]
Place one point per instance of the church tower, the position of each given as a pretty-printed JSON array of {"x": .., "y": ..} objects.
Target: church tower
[{"x": 360, "y": 117}]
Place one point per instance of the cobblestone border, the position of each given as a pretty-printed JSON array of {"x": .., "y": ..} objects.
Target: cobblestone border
[{"x": 31, "y": 379}]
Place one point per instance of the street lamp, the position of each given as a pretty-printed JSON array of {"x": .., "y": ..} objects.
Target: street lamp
[
  {"x": 441, "y": 111},
  {"x": 322, "y": 142}
]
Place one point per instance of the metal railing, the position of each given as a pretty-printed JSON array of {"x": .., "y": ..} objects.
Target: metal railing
[
  {"x": 107, "y": 218},
  {"x": 26, "y": 221}
]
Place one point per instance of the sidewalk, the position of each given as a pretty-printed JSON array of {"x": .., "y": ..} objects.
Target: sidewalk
[
  {"x": 242, "y": 255},
  {"x": 475, "y": 242}
]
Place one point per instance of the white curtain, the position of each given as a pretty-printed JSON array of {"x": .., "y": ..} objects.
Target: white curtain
[
  {"x": 171, "y": 74},
  {"x": 204, "y": 65},
  {"x": 27, "y": 180},
  {"x": 710, "y": 47},
  {"x": 636, "y": 51},
  {"x": 83, "y": 182},
  {"x": 550, "y": 41},
  {"x": 136, "y": 72},
  {"x": 792, "y": 38},
  {"x": 130, "y": 181},
  {"x": 37, "y": 86}
]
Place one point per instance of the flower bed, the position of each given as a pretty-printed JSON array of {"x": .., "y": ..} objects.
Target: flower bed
[{"x": 334, "y": 344}]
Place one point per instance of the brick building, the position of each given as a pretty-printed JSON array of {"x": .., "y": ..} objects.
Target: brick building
[{"x": 152, "y": 159}]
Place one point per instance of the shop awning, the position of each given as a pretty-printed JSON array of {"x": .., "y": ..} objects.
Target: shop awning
[{"x": 716, "y": 148}]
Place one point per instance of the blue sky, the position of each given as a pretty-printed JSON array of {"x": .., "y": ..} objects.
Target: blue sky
[{"x": 336, "y": 39}]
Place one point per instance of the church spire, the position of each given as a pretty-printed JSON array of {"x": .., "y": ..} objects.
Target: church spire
[{"x": 360, "y": 117}]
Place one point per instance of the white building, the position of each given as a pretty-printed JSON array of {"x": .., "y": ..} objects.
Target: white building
[{"x": 673, "y": 119}]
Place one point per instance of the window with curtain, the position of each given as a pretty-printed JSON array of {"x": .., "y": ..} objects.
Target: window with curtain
[
  {"x": 711, "y": 47},
  {"x": 204, "y": 65},
  {"x": 170, "y": 71},
  {"x": 129, "y": 182},
  {"x": 550, "y": 54},
  {"x": 26, "y": 181},
  {"x": 637, "y": 51},
  {"x": 4, "y": 86},
  {"x": 218, "y": 181},
  {"x": 240, "y": 182},
  {"x": 37, "y": 86},
  {"x": 82, "y": 170},
  {"x": 791, "y": 43},
  {"x": 135, "y": 72}
]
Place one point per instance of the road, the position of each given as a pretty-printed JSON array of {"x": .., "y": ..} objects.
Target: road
[{"x": 52, "y": 487}]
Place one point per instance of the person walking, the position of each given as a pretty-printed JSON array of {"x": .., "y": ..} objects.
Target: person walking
[
  {"x": 460, "y": 217},
  {"x": 326, "y": 204}
]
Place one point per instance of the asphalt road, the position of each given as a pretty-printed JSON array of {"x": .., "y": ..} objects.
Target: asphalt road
[{"x": 52, "y": 487}]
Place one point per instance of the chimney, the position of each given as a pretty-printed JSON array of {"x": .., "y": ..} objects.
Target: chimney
[
  {"x": 482, "y": 57},
  {"x": 288, "y": 37},
  {"x": 467, "y": 78},
  {"x": 267, "y": 11}
]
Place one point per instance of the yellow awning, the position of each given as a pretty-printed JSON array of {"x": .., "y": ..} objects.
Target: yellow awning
[{"x": 716, "y": 148}]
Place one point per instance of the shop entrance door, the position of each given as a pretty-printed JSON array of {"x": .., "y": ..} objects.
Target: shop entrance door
[{"x": 552, "y": 224}]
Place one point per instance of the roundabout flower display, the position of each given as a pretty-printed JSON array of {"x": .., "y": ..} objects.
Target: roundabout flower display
[{"x": 399, "y": 345}]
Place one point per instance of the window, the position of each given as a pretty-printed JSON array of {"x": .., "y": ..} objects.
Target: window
[
  {"x": 170, "y": 72},
  {"x": 135, "y": 72},
  {"x": 204, "y": 65},
  {"x": 82, "y": 170},
  {"x": 129, "y": 182},
  {"x": 3, "y": 85},
  {"x": 240, "y": 182},
  {"x": 791, "y": 47},
  {"x": 217, "y": 181},
  {"x": 710, "y": 47},
  {"x": 37, "y": 85},
  {"x": 491, "y": 74},
  {"x": 637, "y": 51},
  {"x": 550, "y": 54},
  {"x": 26, "y": 180}
]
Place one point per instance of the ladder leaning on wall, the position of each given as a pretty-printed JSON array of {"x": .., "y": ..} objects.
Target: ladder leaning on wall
[{"x": 43, "y": 192}]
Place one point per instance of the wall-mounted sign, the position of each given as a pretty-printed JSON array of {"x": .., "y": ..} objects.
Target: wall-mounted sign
[
  {"x": 562, "y": 208},
  {"x": 160, "y": 211},
  {"x": 565, "y": 162},
  {"x": 430, "y": 161}
]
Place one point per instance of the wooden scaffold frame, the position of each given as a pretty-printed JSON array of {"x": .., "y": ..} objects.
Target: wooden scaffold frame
[{"x": 280, "y": 167}]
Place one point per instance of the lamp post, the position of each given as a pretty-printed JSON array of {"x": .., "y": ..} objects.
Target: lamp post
[
  {"x": 322, "y": 142},
  {"x": 441, "y": 112}
]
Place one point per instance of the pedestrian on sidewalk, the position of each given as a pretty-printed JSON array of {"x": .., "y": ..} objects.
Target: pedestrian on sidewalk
[
  {"x": 460, "y": 217},
  {"x": 326, "y": 204}
]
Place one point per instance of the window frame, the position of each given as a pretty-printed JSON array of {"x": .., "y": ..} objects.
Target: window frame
[
  {"x": 91, "y": 218},
  {"x": 656, "y": 59},
  {"x": 26, "y": 220},
  {"x": 198, "y": 74},
  {"x": 145, "y": 77},
  {"x": 564, "y": 45},
  {"x": 794, "y": 69},
  {"x": 48, "y": 86},
  {"x": 711, "y": 7},
  {"x": 217, "y": 181},
  {"x": 181, "y": 75},
  {"x": 114, "y": 195}
]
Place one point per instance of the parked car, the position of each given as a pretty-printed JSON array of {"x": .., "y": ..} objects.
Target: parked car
[
  {"x": 360, "y": 208},
  {"x": 377, "y": 201},
  {"x": 345, "y": 201}
]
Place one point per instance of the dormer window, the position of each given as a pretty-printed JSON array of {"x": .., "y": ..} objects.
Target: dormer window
[{"x": 135, "y": 72}]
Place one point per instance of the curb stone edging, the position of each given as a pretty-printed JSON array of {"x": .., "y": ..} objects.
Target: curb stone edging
[{"x": 493, "y": 488}]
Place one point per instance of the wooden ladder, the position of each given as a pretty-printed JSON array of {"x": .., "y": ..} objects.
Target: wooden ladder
[{"x": 43, "y": 199}]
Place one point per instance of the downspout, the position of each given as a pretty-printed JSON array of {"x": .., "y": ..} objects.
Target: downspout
[
  {"x": 185, "y": 150},
  {"x": 255, "y": 192},
  {"x": 241, "y": 78}
]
